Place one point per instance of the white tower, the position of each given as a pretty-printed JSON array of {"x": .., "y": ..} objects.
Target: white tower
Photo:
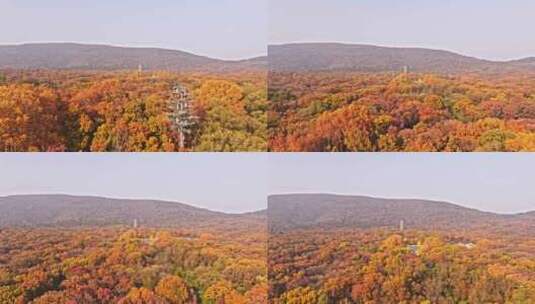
[{"x": 180, "y": 113}]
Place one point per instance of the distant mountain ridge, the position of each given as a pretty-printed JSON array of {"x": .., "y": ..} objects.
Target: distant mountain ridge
[
  {"x": 74, "y": 211},
  {"x": 301, "y": 211},
  {"x": 370, "y": 58},
  {"x": 105, "y": 57},
  {"x": 285, "y": 212}
]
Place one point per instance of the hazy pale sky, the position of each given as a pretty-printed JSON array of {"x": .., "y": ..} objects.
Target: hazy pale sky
[
  {"x": 500, "y": 182},
  {"x": 226, "y": 29},
  {"x": 232, "y": 182},
  {"x": 238, "y": 182},
  {"x": 489, "y": 29}
]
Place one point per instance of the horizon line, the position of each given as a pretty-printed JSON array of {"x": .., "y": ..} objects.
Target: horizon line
[
  {"x": 266, "y": 53},
  {"x": 352, "y": 43},
  {"x": 112, "y": 197},
  {"x": 125, "y": 46},
  {"x": 401, "y": 198},
  {"x": 267, "y": 198}
]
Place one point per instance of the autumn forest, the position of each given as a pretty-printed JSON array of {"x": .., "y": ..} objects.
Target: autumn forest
[
  {"x": 121, "y": 265},
  {"x": 389, "y": 266},
  {"x": 355, "y": 250},
  {"x": 139, "y": 252},
  {"x": 309, "y": 97},
  {"x": 129, "y": 111},
  {"x": 267, "y": 152},
  {"x": 335, "y": 111},
  {"x": 331, "y": 97},
  {"x": 310, "y": 249},
  {"x": 81, "y": 111}
]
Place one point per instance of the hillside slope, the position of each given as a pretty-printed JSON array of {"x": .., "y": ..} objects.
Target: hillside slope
[
  {"x": 294, "y": 211},
  {"x": 103, "y": 57},
  {"x": 370, "y": 58},
  {"x": 73, "y": 211}
]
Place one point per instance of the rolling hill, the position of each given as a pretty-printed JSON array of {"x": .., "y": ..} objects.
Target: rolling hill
[
  {"x": 103, "y": 57},
  {"x": 296, "y": 211},
  {"x": 74, "y": 211},
  {"x": 369, "y": 58}
]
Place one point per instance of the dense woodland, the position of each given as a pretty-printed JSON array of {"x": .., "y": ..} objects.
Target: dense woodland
[
  {"x": 339, "y": 111},
  {"x": 313, "y": 111},
  {"x": 415, "y": 266},
  {"x": 54, "y": 110},
  {"x": 207, "y": 257},
  {"x": 133, "y": 266}
]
